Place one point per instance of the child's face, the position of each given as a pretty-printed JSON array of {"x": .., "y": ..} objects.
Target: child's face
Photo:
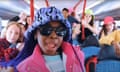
[
  {"x": 12, "y": 33},
  {"x": 88, "y": 17},
  {"x": 50, "y": 42},
  {"x": 76, "y": 29},
  {"x": 28, "y": 20},
  {"x": 65, "y": 13},
  {"x": 109, "y": 27}
]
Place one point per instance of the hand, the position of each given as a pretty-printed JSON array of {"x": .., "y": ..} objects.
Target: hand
[
  {"x": 117, "y": 48},
  {"x": 85, "y": 23},
  {"x": 22, "y": 16}
]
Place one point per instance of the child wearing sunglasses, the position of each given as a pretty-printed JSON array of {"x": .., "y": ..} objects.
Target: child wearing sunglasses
[{"x": 47, "y": 45}]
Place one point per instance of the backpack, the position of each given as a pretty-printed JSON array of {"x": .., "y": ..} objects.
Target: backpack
[{"x": 90, "y": 64}]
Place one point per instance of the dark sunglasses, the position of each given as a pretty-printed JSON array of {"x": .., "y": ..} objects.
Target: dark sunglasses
[{"x": 46, "y": 31}]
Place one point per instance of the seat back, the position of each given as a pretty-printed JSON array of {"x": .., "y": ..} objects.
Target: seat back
[
  {"x": 108, "y": 66},
  {"x": 90, "y": 51}
]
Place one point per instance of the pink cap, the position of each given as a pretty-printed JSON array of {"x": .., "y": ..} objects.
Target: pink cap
[{"x": 108, "y": 20}]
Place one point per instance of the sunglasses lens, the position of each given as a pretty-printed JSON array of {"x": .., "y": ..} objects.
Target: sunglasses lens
[
  {"x": 45, "y": 31},
  {"x": 61, "y": 32}
]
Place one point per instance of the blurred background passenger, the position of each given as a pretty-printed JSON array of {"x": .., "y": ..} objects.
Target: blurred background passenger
[
  {"x": 8, "y": 44},
  {"x": 108, "y": 26},
  {"x": 89, "y": 26},
  {"x": 75, "y": 32},
  {"x": 68, "y": 16}
]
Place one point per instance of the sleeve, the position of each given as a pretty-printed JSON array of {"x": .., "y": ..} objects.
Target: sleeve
[
  {"x": 107, "y": 39},
  {"x": 117, "y": 36},
  {"x": 23, "y": 66}
]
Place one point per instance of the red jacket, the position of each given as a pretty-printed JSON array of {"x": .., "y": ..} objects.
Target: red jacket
[
  {"x": 36, "y": 63},
  {"x": 4, "y": 44},
  {"x": 7, "y": 53}
]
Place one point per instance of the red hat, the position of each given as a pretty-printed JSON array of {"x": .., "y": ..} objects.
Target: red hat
[{"x": 108, "y": 20}]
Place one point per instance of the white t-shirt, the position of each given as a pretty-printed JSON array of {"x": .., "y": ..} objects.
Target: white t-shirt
[{"x": 54, "y": 63}]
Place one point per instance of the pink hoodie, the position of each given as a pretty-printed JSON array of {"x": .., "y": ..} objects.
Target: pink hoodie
[{"x": 36, "y": 63}]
